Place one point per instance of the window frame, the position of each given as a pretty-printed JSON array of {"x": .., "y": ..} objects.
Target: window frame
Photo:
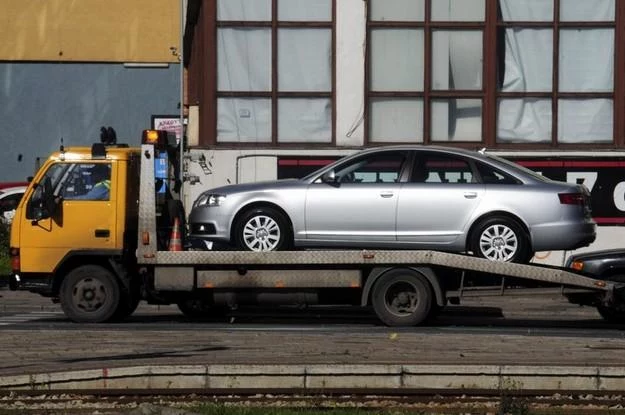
[
  {"x": 208, "y": 90},
  {"x": 490, "y": 94}
]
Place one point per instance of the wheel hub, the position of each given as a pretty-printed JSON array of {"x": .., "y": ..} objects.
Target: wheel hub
[
  {"x": 262, "y": 234},
  {"x": 403, "y": 298},
  {"x": 88, "y": 294},
  {"x": 498, "y": 243}
]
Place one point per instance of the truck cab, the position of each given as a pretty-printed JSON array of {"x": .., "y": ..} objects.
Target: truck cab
[{"x": 81, "y": 207}]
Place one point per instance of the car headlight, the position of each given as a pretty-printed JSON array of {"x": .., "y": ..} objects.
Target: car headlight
[{"x": 209, "y": 199}]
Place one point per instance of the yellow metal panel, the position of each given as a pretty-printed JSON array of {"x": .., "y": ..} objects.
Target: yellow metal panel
[{"x": 90, "y": 30}]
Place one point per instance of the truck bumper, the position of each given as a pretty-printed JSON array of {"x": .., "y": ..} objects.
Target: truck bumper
[{"x": 38, "y": 283}]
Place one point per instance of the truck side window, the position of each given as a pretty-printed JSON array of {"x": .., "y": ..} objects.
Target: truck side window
[
  {"x": 36, "y": 203},
  {"x": 87, "y": 181}
]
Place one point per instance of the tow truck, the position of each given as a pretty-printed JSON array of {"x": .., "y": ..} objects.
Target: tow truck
[{"x": 100, "y": 258}]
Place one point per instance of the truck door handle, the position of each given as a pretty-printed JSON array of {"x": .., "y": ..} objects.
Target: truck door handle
[
  {"x": 386, "y": 194},
  {"x": 102, "y": 233},
  {"x": 470, "y": 195}
]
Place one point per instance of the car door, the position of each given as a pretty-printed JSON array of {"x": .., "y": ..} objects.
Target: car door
[
  {"x": 78, "y": 223},
  {"x": 360, "y": 205},
  {"x": 437, "y": 202}
]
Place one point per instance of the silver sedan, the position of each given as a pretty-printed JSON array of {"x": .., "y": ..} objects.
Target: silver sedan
[{"x": 403, "y": 197}]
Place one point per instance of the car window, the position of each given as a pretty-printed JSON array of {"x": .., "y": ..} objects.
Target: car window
[
  {"x": 382, "y": 167},
  {"x": 490, "y": 175},
  {"x": 440, "y": 168},
  {"x": 10, "y": 202},
  {"x": 516, "y": 166}
]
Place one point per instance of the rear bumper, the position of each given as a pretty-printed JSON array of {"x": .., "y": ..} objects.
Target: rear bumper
[{"x": 551, "y": 237}]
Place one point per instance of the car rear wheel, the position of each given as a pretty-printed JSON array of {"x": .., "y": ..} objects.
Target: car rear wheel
[
  {"x": 263, "y": 229},
  {"x": 500, "y": 239}
]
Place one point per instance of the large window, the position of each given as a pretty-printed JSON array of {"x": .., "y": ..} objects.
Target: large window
[
  {"x": 426, "y": 72},
  {"x": 555, "y": 71},
  {"x": 535, "y": 73},
  {"x": 275, "y": 79}
]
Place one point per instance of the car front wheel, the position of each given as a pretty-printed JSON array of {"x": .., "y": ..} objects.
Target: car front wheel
[
  {"x": 500, "y": 239},
  {"x": 263, "y": 229}
]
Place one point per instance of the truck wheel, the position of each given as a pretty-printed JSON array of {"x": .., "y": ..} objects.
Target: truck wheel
[
  {"x": 199, "y": 309},
  {"x": 401, "y": 297},
  {"x": 263, "y": 229},
  {"x": 500, "y": 239},
  {"x": 90, "y": 294},
  {"x": 127, "y": 305},
  {"x": 614, "y": 315}
]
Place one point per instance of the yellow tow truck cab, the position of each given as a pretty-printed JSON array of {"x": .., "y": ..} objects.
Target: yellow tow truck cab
[{"x": 79, "y": 220}]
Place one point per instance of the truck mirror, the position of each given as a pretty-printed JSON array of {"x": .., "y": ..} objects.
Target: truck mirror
[
  {"x": 45, "y": 206},
  {"x": 48, "y": 197}
]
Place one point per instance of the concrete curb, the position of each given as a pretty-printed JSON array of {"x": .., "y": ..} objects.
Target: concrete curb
[{"x": 315, "y": 377}]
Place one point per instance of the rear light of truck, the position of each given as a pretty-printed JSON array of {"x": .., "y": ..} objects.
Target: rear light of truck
[
  {"x": 571, "y": 199},
  {"x": 15, "y": 260}
]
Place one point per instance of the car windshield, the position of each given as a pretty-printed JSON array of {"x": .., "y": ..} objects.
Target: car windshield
[{"x": 517, "y": 166}]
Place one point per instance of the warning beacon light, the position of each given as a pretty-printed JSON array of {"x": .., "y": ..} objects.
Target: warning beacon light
[{"x": 156, "y": 137}]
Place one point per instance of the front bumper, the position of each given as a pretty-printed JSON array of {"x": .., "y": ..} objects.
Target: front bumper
[
  {"x": 207, "y": 223},
  {"x": 38, "y": 283}
]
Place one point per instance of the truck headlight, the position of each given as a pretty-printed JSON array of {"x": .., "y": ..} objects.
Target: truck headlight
[{"x": 209, "y": 199}]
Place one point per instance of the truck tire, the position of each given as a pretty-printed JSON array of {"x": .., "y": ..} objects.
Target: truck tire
[
  {"x": 500, "y": 239},
  {"x": 200, "y": 309},
  {"x": 613, "y": 315},
  {"x": 90, "y": 294},
  {"x": 402, "y": 297},
  {"x": 263, "y": 229},
  {"x": 127, "y": 305}
]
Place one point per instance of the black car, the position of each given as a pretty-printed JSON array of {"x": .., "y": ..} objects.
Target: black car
[{"x": 608, "y": 265}]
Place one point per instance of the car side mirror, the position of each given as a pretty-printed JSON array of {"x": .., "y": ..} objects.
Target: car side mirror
[{"x": 329, "y": 177}]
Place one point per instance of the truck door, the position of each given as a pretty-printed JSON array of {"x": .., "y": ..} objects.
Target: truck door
[{"x": 85, "y": 216}]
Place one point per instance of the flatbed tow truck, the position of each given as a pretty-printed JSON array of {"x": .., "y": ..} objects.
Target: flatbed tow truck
[{"x": 100, "y": 258}]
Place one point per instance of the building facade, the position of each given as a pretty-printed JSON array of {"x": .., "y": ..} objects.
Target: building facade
[
  {"x": 68, "y": 68},
  {"x": 276, "y": 87}
]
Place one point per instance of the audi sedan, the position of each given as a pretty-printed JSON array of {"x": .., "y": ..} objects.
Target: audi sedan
[{"x": 403, "y": 197}]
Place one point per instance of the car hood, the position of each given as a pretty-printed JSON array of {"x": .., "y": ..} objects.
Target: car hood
[{"x": 255, "y": 186}]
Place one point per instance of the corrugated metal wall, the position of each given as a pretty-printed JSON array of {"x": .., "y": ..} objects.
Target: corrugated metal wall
[
  {"x": 62, "y": 73},
  {"x": 40, "y": 103}
]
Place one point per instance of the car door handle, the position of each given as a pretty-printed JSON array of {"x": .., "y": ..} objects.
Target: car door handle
[
  {"x": 470, "y": 195},
  {"x": 102, "y": 233},
  {"x": 386, "y": 194}
]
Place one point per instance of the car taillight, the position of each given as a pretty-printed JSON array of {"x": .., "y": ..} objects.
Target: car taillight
[
  {"x": 571, "y": 198},
  {"x": 15, "y": 260}
]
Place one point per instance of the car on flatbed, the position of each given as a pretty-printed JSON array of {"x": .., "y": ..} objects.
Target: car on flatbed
[{"x": 403, "y": 197}]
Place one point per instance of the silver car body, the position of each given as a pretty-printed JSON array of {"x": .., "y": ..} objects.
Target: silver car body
[{"x": 400, "y": 211}]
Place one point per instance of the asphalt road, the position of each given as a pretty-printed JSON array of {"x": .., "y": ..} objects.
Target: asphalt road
[{"x": 36, "y": 337}]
